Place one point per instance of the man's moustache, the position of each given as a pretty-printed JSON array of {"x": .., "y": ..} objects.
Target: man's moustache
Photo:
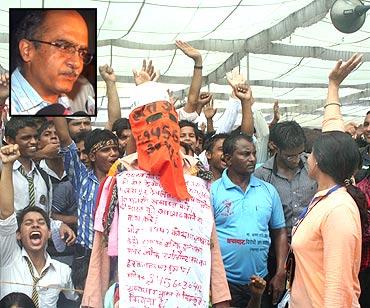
[{"x": 70, "y": 73}]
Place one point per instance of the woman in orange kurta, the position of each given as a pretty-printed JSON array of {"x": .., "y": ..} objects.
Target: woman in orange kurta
[{"x": 326, "y": 241}]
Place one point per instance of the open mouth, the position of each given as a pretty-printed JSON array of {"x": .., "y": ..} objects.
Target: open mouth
[
  {"x": 70, "y": 75},
  {"x": 35, "y": 237}
]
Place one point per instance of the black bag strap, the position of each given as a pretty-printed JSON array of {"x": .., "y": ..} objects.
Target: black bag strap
[
  {"x": 44, "y": 176},
  {"x": 46, "y": 179}
]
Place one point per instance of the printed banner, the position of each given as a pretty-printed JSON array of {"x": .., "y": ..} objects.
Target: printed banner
[{"x": 164, "y": 244}]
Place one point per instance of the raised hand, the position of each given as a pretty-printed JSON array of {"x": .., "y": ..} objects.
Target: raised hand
[
  {"x": 146, "y": 73},
  {"x": 4, "y": 86},
  {"x": 234, "y": 77},
  {"x": 204, "y": 99},
  {"x": 276, "y": 110},
  {"x": 243, "y": 92},
  {"x": 203, "y": 127},
  {"x": 351, "y": 128},
  {"x": 9, "y": 153},
  {"x": 209, "y": 111},
  {"x": 107, "y": 73},
  {"x": 173, "y": 98},
  {"x": 50, "y": 150},
  {"x": 343, "y": 69},
  {"x": 190, "y": 51}
]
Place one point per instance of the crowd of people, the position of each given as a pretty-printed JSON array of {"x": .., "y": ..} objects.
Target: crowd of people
[{"x": 158, "y": 210}]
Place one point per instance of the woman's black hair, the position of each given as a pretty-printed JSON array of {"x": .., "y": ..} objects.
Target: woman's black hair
[
  {"x": 16, "y": 299},
  {"x": 338, "y": 156}
]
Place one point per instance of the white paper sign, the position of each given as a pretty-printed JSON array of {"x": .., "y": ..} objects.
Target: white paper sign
[{"x": 164, "y": 244}]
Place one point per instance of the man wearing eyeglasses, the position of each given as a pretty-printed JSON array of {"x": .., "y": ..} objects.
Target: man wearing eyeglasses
[
  {"x": 287, "y": 170},
  {"x": 51, "y": 50}
]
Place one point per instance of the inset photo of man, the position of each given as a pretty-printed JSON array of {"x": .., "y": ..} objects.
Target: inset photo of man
[{"x": 52, "y": 61}]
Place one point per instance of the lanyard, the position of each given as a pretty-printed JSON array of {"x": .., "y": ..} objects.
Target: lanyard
[{"x": 315, "y": 200}]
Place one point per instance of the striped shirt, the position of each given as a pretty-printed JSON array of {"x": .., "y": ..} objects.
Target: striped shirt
[
  {"x": 24, "y": 98},
  {"x": 85, "y": 184}
]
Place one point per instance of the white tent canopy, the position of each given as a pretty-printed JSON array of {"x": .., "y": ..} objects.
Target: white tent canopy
[{"x": 286, "y": 49}]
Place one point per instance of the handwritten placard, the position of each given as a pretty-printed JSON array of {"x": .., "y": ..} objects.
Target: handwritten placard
[{"x": 164, "y": 244}]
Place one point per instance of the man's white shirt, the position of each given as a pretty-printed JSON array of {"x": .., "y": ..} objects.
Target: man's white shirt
[
  {"x": 43, "y": 197},
  {"x": 24, "y": 98},
  {"x": 14, "y": 268}
]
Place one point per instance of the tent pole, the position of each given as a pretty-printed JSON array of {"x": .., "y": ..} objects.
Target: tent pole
[
  {"x": 247, "y": 67},
  {"x": 111, "y": 53}
]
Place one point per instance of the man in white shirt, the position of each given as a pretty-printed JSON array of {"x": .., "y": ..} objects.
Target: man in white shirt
[
  {"x": 24, "y": 264},
  {"x": 30, "y": 186}
]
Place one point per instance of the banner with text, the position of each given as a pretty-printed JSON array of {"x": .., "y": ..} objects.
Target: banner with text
[{"x": 164, "y": 244}]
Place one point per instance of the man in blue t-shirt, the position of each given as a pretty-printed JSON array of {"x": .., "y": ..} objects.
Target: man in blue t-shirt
[{"x": 246, "y": 210}]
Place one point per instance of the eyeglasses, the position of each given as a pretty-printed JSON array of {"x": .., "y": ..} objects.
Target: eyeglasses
[{"x": 69, "y": 48}]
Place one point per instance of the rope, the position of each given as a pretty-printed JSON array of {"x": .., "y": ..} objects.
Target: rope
[
  {"x": 40, "y": 286},
  {"x": 133, "y": 24}
]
